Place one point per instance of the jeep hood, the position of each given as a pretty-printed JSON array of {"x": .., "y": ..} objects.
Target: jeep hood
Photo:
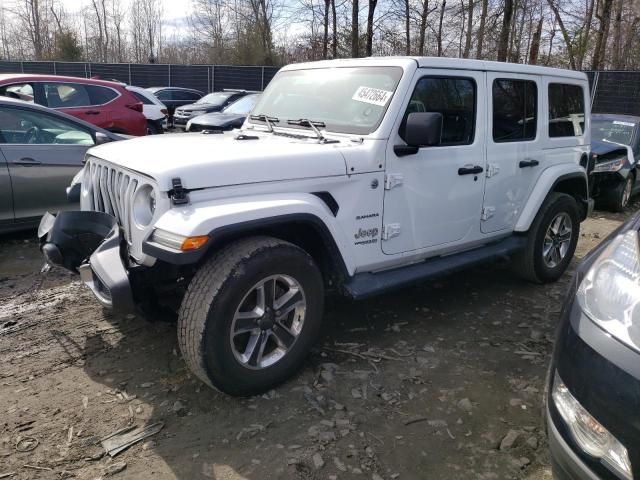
[{"x": 213, "y": 160}]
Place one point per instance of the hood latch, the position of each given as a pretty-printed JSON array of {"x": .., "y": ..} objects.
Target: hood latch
[{"x": 178, "y": 194}]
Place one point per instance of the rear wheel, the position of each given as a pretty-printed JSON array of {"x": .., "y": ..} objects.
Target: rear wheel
[
  {"x": 551, "y": 240},
  {"x": 152, "y": 129},
  {"x": 250, "y": 315}
]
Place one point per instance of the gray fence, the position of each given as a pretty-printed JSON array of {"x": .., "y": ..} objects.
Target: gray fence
[
  {"x": 207, "y": 78},
  {"x": 611, "y": 91}
]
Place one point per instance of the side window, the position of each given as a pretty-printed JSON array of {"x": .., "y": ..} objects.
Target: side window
[
  {"x": 515, "y": 105},
  {"x": 66, "y": 95},
  {"x": 193, "y": 96},
  {"x": 165, "y": 95},
  {"x": 455, "y": 99},
  {"x": 100, "y": 95},
  {"x": 142, "y": 98},
  {"x": 184, "y": 96},
  {"x": 21, "y": 126},
  {"x": 566, "y": 110},
  {"x": 20, "y": 91}
]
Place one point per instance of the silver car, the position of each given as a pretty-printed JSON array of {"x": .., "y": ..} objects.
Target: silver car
[{"x": 40, "y": 152}]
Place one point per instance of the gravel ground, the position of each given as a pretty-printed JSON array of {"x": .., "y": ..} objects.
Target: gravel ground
[{"x": 440, "y": 381}]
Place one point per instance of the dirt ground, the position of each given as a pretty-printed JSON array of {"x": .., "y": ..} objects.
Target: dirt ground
[{"x": 423, "y": 383}]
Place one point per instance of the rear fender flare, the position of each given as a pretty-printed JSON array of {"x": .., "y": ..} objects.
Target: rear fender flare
[{"x": 547, "y": 183}]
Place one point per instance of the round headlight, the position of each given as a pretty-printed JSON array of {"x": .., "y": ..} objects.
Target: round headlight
[{"x": 144, "y": 205}]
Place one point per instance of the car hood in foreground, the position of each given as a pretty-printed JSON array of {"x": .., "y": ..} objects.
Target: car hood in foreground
[
  {"x": 202, "y": 161},
  {"x": 218, "y": 119}
]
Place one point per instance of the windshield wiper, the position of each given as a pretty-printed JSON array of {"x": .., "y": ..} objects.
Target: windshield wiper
[
  {"x": 269, "y": 121},
  {"x": 313, "y": 124}
]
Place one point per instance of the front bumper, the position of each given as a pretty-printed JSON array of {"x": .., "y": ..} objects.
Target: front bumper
[{"x": 90, "y": 243}]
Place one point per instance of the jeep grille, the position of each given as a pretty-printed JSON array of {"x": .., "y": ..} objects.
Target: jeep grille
[{"x": 111, "y": 190}]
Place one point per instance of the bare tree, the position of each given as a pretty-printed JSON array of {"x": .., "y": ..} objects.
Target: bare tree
[
  {"x": 355, "y": 33},
  {"x": 370, "y": 16},
  {"x": 604, "y": 16},
  {"x": 503, "y": 43},
  {"x": 481, "y": 28}
]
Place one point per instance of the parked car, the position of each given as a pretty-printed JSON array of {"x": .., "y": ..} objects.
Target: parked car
[
  {"x": 153, "y": 109},
  {"x": 229, "y": 118},
  {"x": 108, "y": 105},
  {"x": 616, "y": 150},
  {"x": 174, "y": 97},
  {"x": 40, "y": 152},
  {"x": 334, "y": 182},
  {"x": 594, "y": 383},
  {"x": 213, "y": 102}
]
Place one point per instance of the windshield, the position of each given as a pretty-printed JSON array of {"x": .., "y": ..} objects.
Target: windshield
[
  {"x": 214, "y": 98},
  {"x": 346, "y": 100},
  {"x": 242, "y": 106},
  {"x": 617, "y": 131}
]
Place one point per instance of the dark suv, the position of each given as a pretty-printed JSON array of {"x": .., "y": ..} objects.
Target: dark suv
[
  {"x": 213, "y": 102},
  {"x": 174, "y": 97}
]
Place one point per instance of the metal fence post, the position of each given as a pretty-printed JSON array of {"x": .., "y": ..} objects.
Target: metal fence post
[
  {"x": 55, "y": 70},
  {"x": 213, "y": 78},
  {"x": 22, "y": 67},
  {"x": 596, "y": 76},
  {"x": 130, "y": 74},
  {"x": 169, "y": 74},
  {"x": 262, "y": 82}
]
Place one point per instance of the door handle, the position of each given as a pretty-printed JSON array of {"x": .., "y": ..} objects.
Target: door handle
[
  {"x": 92, "y": 112},
  {"x": 470, "y": 170},
  {"x": 27, "y": 161},
  {"x": 529, "y": 162}
]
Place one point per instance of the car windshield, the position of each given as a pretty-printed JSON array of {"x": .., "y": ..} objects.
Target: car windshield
[
  {"x": 242, "y": 106},
  {"x": 214, "y": 98},
  {"x": 617, "y": 131},
  {"x": 345, "y": 100}
]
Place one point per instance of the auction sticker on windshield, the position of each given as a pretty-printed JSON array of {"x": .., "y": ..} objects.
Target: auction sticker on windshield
[
  {"x": 374, "y": 96},
  {"x": 626, "y": 124}
]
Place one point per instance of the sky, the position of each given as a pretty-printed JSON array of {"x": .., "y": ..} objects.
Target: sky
[{"x": 175, "y": 12}]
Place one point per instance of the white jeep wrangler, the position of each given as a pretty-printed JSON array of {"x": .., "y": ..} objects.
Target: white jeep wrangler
[{"x": 360, "y": 175}]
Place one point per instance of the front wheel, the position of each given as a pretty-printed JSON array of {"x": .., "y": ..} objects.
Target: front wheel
[
  {"x": 250, "y": 315},
  {"x": 551, "y": 240},
  {"x": 622, "y": 194}
]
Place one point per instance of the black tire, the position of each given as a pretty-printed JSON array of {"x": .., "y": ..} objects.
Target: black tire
[
  {"x": 152, "y": 129},
  {"x": 214, "y": 296},
  {"x": 529, "y": 263},
  {"x": 619, "y": 199}
]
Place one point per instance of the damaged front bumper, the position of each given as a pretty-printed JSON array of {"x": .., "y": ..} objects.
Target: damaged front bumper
[{"x": 91, "y": 244}]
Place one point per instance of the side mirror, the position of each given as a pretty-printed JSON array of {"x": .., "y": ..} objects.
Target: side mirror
[
  {"x": 102, "y": 138},
  {"x": 423, "y": 129}
]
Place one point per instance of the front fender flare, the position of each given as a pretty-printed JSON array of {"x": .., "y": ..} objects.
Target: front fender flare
[
  {"x": 546, "y": 183},
  {"x": 233, "y": 216}
]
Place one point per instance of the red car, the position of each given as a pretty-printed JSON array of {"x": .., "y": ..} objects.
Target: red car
[{"x": 105, "y": 104}]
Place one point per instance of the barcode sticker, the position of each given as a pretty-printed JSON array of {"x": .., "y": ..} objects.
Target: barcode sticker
[
  {"x": 626, "y": 124},
  {"x": 374, "y": 96}
]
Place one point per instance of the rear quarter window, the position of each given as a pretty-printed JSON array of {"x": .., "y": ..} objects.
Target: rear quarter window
[
  {"x": 566, "y": 110},
  {"x": 142, "y": 98},
  {"x": 100, "y": 95}
]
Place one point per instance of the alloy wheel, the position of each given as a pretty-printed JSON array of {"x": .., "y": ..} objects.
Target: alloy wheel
[
  {"x": 557, "y": 240},
  {"x": 268, "y": 321}
]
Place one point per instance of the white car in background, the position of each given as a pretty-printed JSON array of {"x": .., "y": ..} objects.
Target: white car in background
[{"x": 153, "y": 109}]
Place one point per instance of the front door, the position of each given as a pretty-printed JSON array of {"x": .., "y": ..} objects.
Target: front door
[
  {"x": 43, "y": 153},
  {"x": 6, "y": 193},
  {"x": 434, "y": 197},
  {"x": 514, "y": 147}
]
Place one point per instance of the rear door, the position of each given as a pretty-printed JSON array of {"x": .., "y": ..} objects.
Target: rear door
[
  {"x": 43, "y": 152},
  {"x": 80, "y": 100},
  {"x": 515, "y": 141}
]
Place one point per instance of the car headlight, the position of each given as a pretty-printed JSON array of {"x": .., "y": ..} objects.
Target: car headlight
[
  {"x": 177, "y": 242},
  {"x": 588, "y": 433},
  {"x": 610, "y": 166},
  {"x": 609, "y": 294},
  {"x": 144, "y": 205},
  {"x": 188, "y": 126}
]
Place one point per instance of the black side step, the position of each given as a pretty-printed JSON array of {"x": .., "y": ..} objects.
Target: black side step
[{"x": 363, "y": 285}]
